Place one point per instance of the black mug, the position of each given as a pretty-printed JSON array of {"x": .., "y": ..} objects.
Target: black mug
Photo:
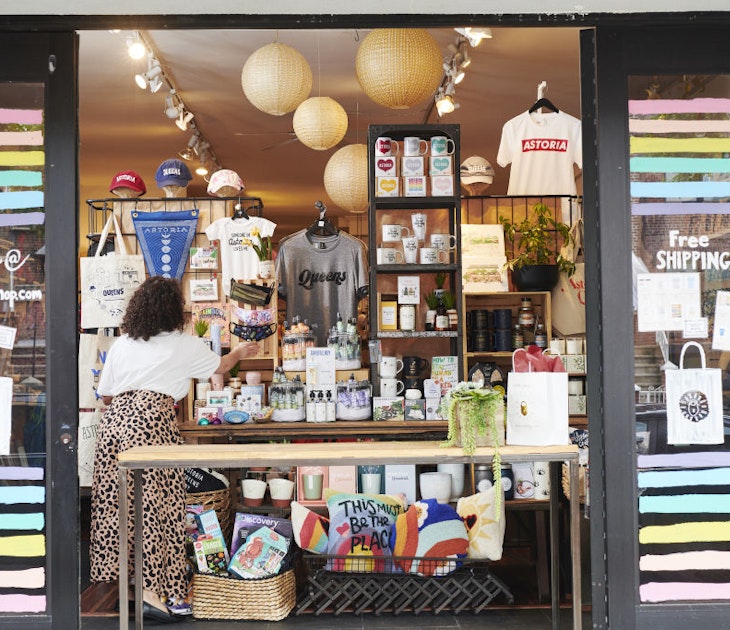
[
  {"x": 413, "y": 382},
  {"x": 413, "y": 366}
]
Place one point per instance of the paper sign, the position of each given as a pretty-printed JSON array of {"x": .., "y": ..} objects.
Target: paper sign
[
  {"x": 721, "y": 329},
  {"x": 7, "y": 337},
  {"x": 696, "y": 328},
  {"x": 666, "y": 300}
]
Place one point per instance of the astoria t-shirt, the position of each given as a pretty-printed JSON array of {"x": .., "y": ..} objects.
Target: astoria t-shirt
[
  {"x": 238, "y": 259},
  {"x": 542, "y": 149},
  {"x": 320, "y": 277}
]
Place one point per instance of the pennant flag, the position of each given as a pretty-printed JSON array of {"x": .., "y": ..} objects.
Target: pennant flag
[{"x": 165, "y": 239}]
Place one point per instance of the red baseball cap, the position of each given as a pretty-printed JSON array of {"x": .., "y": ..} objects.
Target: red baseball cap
[{"x": 128, "y": 179}]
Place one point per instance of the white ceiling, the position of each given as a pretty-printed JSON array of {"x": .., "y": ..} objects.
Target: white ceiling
[{"x": 123, "y": 127}]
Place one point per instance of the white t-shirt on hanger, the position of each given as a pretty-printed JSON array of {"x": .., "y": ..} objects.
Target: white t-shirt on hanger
[
  {"x": 542, "y": 148},
  {"x": 238, "y": 260}
]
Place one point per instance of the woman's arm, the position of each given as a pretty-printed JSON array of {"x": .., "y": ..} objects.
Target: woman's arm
[{"x": 243, "y": 350}]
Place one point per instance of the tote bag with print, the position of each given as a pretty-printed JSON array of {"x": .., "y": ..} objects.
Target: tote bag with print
[{"x": 92, "y": 355}]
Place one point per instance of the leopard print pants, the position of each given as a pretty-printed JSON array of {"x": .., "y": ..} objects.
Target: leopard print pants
[{"x": 139, "y": 418}]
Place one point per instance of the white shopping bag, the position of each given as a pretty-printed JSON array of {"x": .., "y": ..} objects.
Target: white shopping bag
[{"x": 694, "y": 403}]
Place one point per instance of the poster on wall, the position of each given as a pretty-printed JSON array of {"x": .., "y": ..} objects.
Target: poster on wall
[{"x": 666, "y": 300}]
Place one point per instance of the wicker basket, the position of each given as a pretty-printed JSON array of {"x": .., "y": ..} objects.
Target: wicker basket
[
  {"x": 218, "y": 500},
  {"x": 581, "y": 482},
  {"x": 268, "y": 599}
]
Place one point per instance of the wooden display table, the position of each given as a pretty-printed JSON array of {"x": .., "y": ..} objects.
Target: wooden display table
[{"x": 343, "y": 453}]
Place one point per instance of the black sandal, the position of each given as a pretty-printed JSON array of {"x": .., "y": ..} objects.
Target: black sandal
[{"x": 152, "y": 613}]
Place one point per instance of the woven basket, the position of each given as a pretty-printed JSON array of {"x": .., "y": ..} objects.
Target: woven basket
[
  {"x": 269, "y": 599},
  {"x": 581, "y": 482},
  {"x": 218, "y": 500}
]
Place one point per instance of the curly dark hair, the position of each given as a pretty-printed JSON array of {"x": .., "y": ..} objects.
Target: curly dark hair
[{"x": 156, "y": 306}]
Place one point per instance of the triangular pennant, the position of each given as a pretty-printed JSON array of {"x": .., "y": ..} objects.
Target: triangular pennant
[{"x": 165, "y": 239}]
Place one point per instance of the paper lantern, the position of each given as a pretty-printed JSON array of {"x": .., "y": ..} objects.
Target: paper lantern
[
  {"x": 276, "y": 79},
  {"x": 399, "y": 67},
  {"x": 346, "y": 178},
  {"x": 320, "y": 122}
]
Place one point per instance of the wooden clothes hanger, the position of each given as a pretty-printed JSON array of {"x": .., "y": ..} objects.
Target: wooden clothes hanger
[
  {"x": 542, "y": 101},
  {"x": 322, "y": 226}
]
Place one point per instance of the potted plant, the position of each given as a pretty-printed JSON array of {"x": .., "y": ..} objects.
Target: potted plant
[
  {"x": 538, "y": 239},
  {"x": 449, "y": 300},
  {"x": 432, "y": 301},
  {"x": 262, "y": 247},
  {"x": 439, "y": 280},
  {"x": 475, "y": 417},
  {"x": 200, "y": 327}
]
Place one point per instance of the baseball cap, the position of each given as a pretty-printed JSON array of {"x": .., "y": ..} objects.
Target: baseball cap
[
  {"x": 222, "y": 178},
  {"x": 128, "y": 179},
  {"x": 476, "y": 170},
  {"x": 172, "y": 173}
]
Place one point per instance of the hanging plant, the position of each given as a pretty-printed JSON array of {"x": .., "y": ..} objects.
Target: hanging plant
[{"x": 473, "y": 411}]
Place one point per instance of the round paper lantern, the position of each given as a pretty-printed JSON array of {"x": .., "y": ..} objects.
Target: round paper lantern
[
  {"x": 346, "y": 177},
  {"x": 276, "y": 79},
  {"x": 399, "y": 67},
  {"x": 320, "y": 122}
]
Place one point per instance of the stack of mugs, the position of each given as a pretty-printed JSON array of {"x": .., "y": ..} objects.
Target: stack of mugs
[
  {"x": 480, "y": 323},
  {"x": 502, "y": 330}
]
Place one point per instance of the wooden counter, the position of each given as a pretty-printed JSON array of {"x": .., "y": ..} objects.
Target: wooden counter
[{"x": 342, "y": 453}]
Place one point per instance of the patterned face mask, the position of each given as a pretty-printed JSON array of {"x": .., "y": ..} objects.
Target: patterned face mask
[{"x": 253, "y": 333}]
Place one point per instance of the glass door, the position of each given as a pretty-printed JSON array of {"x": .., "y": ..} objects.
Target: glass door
[{"x": 38, "y": 485}]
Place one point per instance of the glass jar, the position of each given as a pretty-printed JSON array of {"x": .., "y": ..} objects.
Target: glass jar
[{"x": 526, "y": 314}]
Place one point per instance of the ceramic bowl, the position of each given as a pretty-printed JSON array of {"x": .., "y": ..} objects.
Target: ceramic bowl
[
  {"x": 281, "y": 491},
  {"x": 435, "y": 485}
]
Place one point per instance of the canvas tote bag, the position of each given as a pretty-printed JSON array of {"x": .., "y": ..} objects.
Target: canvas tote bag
[
  {"x": 92, "y": 356},
  {"x": 88, "y": 427},
  {"x": 107, "y": 282},
  {"x": 694, "y": 403},
  {"x": 568, "y": 303},
  {"x": 537, "y": 408}
]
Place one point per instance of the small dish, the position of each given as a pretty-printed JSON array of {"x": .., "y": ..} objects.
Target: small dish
[{"x": 236, "y": 416}]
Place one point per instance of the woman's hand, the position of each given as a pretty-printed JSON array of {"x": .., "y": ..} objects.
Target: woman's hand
[
  {"x": 244, "y": 350},
  {"x": 247, "y": 349}
]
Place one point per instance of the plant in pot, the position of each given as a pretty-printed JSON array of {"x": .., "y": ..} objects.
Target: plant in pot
[
  {"x": 475, "y": 417},
  {"x": 449, "y": 300},
  {"x": 440, "y": 279},
  {"x": 538, "y": 239},
  {"x": 432, "y": 301}
]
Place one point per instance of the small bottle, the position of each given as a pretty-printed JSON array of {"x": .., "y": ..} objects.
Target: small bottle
[
  {"x": 320, "y": 411},
  {"x": 310, "y": 410},
  {"x": 540, "y": 336},
  {"x": 518, "y": 339},
  {"x": 340, "y": 324},
  {"x": 526, "y": 314},
  {"x": 442, "y": 317},
  {"x": 330, "y": 412}
]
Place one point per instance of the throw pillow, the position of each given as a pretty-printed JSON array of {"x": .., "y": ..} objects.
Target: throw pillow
[
  {"x": 486, "y": 530},
  {"x": 310, "y": 528}
]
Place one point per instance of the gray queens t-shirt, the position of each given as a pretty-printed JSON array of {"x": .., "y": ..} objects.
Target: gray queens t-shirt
[{"x": 320, "y": 276}]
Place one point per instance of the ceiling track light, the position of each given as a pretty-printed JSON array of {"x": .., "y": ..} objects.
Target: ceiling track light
[
  {"x": 173, "y": 106},
  {"x": 475, "y": 35},
  {"x": 152, "y": 78},
  {"x": 136, "y": 48},
  {"x": 184, "y": 119}
]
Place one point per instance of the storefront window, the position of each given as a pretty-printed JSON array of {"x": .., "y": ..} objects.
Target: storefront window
[
  {"x": 22, "y": 349},
  {"x": 679, "y": 130}
]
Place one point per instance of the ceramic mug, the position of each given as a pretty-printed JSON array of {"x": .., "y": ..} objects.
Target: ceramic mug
[
  {"x": 410, "y": 249},
  {"x": 418, "y": 221},
  {"x": 393, "y": 232},
  {"x": 370, "y": 483},
  {"x": 312, "y": 486},
  {"x": 389, "y": 256},
  {"x": 413, "y": 145},
  {"x": 391, "y": 387},
  {"x": 443, "y": 241},
  {"x": 386, "y": 146},
  {"x": 432, "y": 255},
  {"x": 440, "y": 145},
  {"x": 413, "y": 366},
  {"x": 389, "y": 367}
]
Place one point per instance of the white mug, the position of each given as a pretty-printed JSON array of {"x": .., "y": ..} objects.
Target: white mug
[
  {"x": 443, "y": 241},
  {"x": 389, "y": 256},
  {"x": 393, "y": 232},
  {"x": 413, "y": 145},
  {"x": 432, "y": 255},
  {"x": 410, "y": 249},
  {"x": 440, "y": 145},
  {"x": 389, "y": 367},
  {"x": 386, "y": 146},
  {"x": 391, "y": 387},
  {"x": 418, "y": 220}
]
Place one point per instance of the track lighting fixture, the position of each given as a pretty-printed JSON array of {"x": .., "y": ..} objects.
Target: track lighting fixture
[
  {"x": 152, "y": 78},
  {"x": 189, "y": 152},
  {"x": 475, "y": 35},
  {"x": 183, "y": 120},
  {"x": 173, "y": 106},
  {"x": 135, "y": 47},
  {"x": 445, "y": 99}
]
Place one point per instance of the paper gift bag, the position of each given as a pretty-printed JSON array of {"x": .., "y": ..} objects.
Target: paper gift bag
[
  {"x": 107, "y": 282},
  {"x": 92, "y": 355},
  {"x": 694, "y": 403},
  {"x": 537, "y": 403}
]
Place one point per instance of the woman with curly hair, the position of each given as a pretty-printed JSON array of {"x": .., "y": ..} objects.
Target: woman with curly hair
[{"x": 148, "y": 369}]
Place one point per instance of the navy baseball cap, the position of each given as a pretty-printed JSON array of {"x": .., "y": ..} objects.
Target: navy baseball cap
[{"x": 172, "y": 173}]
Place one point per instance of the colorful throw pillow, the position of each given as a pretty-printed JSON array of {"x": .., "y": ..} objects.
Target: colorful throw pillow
[
  {"x": 360, "y": 527},
  {"x": 486, "y": 531},
  {"x": 429, "y": 530},
  {"x": 310, "y": 528}
]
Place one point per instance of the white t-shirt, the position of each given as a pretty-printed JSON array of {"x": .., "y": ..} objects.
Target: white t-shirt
[
  {"x": 165, "y": 364},
  {"x": 542, "y": 149},
  {"x": 238, "y": 260}
]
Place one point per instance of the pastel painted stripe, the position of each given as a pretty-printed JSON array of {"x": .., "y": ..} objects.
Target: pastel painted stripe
[
  {"x": 21, "y": 116},
  {"x": 31, "y": 546},
  {"x": 686, "y": 561},
  {"x": 21, "y": 200},
  {"x": 22, "y": 218},
  {"x": 21, "y": 473},
  {"x": 672, "y": 125},
  {"x": 702, "y": 459},
  {"x": 678, "y": 591},
  {"x": 22, "y": 603},
  {"x": 693, "y": 531},
  {"x": 25, "y": 578},
  {"x": 680, "y": 207},
  {"x": 21, "y": 178},
  {"x": 673, "y": 478},
  {"x": 33, "y": 520},
  {"x": 21, "y": 138},
  {"x": 685, "y": 503},
  {"x": 680, "y": 106},
  {"x": 677, "y": 190},
  {"x": 22, "y": 494},
  {"x": 678, "y": 165},
  {"x": 22, "y": 158},
  {"x": 679, "y": 145}
]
